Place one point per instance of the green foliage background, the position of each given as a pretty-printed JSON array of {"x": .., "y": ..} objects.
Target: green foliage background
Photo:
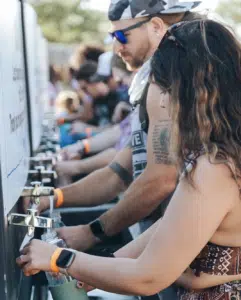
[
  {"x": 64, "y": 21},
  {"x": 230, "y": 10}
]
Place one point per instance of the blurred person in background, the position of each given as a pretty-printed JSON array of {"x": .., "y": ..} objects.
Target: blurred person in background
[
  {"x": 68, "y": 105},
  {"x": 54, "y": 85},
  {"x": 113, "y": 71},
  {"x": 101, "y": 148},
  {"x": 102, "y": 87},
  {"x": 112, "y": 139},
  {"x": 82, "y": 54}
]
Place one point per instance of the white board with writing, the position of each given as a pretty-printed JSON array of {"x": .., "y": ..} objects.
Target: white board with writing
[
  {"x": 14, "y": 139},
  {"x": 32, "y": 38},
  {"x": 45, "y": 76}
]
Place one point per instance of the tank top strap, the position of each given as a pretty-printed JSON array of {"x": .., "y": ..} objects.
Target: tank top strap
[{"x": 190, "y": 162}]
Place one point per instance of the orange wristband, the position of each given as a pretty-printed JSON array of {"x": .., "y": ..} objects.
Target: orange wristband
[
  {"x": 53, "y": 260},
  {"x": 60, "y": 197},
  {"x": 87, "y": 146},
  {"x": 61, "y": 121},
  {"x": 88, "y": 131}
]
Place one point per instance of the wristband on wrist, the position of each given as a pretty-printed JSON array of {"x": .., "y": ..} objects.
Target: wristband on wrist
[
  {"x": 60, "y": 197},
  {"x": 53, "y": 260},
  {"x": 61, "y": 121},
  {"x": 86, "y": 146}
]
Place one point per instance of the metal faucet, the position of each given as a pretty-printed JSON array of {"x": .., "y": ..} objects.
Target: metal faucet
[
  {"x": 31, "y": 219},
  {"x": 42, "y": 161},
  {"x": 43, "y": 175}
]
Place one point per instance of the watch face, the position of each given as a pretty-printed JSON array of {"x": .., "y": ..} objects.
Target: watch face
[{"x": 65, "y": 259}]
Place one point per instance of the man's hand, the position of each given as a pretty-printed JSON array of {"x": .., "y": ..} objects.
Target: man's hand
[
  {"x": 72, "y": 152},
  {"x": 43, "y": 205},
  {"x": 67, "y": 168},
  {"x": 78, "y": 237}
]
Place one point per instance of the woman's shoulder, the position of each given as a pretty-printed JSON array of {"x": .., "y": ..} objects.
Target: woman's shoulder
[
  {"x": 205, "y": 164},
  {"x": 209, "y": 172}
]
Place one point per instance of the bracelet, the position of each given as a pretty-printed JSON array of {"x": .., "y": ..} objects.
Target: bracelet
[
  {"x": 61, "y": 121},
  {"x": 124, "y": 174},
  {"x": 60, "y": 197},
  {"x": 86, "y": 146},
  {"x": 53, "y": 260}
]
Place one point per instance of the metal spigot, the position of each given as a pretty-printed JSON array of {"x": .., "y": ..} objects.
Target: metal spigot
[
  {"x": 31, "y": 219},
  {"x": 41, "y": 160}
]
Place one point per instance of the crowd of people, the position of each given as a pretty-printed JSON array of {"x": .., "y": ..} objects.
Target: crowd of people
[{"x": 175, "y": 155}]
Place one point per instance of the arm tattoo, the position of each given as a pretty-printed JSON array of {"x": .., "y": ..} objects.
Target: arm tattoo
[{"x": 161, "y": 142}]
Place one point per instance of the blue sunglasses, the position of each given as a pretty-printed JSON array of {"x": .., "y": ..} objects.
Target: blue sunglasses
[{"x": 120, "y": 36}]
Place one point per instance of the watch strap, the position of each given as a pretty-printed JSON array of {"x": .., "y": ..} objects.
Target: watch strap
[
  {"x": 97, "y": 229},
  {"x": 53, "y": 261}
]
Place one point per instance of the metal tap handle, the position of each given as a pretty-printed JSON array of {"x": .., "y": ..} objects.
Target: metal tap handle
[
  {"x": 36, "y": 183},
  {"x": 49, "y": 173},
  {"x": 36, "y": 192},
  {"x": 39, "y": 168}
]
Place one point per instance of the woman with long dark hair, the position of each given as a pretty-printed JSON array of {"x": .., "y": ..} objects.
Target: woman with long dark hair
[{"x": 196, "y": 76}]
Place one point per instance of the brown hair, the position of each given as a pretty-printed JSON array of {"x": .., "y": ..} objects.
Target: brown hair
[
  {"x": 200, "y": 66},
  {"x": 84, "y": 53},
  {"x": 171, "y": 19}
]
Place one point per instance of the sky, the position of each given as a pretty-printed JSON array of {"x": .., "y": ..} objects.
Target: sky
[{"x": 104, "y": 4}]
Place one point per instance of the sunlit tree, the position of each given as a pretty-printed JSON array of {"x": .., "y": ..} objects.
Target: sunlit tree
[
  {"x": 230, "y": 10},
  {"x": 64, "y": 21}
]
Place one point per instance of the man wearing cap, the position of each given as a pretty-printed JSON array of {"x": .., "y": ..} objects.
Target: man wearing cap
[{"x": 137, "y": 27}]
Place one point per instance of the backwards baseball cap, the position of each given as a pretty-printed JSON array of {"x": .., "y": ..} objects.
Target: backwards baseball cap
[
  {"x": 131, "y": 9},
  {"x": 104, "y": 70},
  {"x": 86, "y": 70}
]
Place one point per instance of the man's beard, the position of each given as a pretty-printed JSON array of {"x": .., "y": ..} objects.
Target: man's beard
[{"x": 133, "y": 65}]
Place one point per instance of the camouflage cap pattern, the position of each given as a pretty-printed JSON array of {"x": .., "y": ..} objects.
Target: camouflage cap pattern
[{"x": 131, "y": 9}]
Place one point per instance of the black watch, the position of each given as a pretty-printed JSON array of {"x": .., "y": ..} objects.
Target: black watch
[
  {"x": 97, "y": 229},
  {"x": 66, "y": 258}
]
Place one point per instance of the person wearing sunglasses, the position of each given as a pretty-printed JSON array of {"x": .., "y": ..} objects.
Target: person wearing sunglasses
[{"x": 197, "y": 73}]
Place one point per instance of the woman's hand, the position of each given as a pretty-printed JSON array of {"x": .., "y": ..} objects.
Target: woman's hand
[{"x": 36, "y": 257}]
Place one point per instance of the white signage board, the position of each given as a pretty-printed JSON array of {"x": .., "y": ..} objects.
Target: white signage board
[
  {"x": 45, "y": 76},
  {"x": 14, "y": 139},
  {"x": 32, "y": 41},
  {"x": 41, "y": 71}
]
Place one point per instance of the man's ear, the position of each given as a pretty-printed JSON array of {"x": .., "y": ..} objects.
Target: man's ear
[{"x": 158, "y": 26}]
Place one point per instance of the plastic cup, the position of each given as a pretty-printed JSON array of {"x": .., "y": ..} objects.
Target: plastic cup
[{"x": 68, "y": 291}]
